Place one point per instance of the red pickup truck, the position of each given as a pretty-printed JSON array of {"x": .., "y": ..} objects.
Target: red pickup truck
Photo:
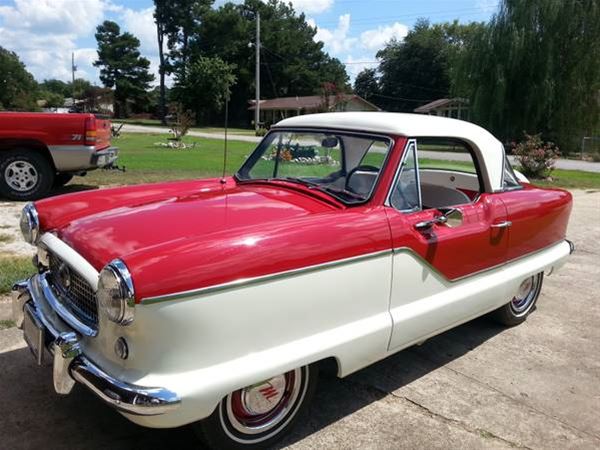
[{"x": 39, "y": 151}]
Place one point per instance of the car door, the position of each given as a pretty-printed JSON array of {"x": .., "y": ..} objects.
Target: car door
[{"x": 433, "y": 266}]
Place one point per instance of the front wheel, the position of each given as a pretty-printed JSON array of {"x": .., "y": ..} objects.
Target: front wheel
[
  {"x": 521, "y": 305},
  {"x": 259, "y": 415}
]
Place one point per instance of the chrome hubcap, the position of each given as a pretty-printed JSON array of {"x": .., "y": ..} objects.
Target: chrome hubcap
[
  {"x": 21, "y": 176},
  {"x": 264, "y": 406},
  {"x": 526, "y": 295},
  {"x": 261, "y": 398}
]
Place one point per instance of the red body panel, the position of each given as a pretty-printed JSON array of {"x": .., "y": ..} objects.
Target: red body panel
[
  {"x": 539, "y": 218},
  {"x": 456, "y": 252},
  {"x": 52, "y": 129},
  {"x": 186, "y": 235}
]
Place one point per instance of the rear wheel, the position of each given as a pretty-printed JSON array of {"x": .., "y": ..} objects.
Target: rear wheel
[
  {"x": 24, "y": 175},
  {"x": 521, "y": 305},
  {"x": 259, "y": 415}
]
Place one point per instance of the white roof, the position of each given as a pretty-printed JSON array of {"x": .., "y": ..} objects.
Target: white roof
[{"x": 488, "y": 150}]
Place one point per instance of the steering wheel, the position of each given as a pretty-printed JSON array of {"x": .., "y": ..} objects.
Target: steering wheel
[{"x": 364, "y": 168}]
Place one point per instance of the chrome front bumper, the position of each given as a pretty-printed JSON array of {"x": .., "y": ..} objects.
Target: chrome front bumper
[{"x": 32, "y": 310}]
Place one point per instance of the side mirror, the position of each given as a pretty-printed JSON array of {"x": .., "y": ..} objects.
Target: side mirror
[
  {"x": 454, "y": 217},
  {"x": 451, "y": 217}
]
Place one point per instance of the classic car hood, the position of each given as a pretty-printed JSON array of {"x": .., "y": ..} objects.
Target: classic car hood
[{"x": 194, "y": 211}]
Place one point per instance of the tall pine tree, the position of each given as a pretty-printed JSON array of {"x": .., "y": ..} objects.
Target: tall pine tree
[{"x": 122, "y": 67}]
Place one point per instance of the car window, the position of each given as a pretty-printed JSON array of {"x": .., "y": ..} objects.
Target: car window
[
  {"x": 509, "y": 179},
  {"x": 344, "y": 165},
  {"x": 405, "y": 193},
  {"x": 440, "y": 153}
]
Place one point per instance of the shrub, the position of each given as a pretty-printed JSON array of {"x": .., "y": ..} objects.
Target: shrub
[
  {"x": 536, "y": 157},
  {"x": 261, "y": 131}
]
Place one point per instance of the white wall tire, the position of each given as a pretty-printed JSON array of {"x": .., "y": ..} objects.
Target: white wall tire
[
  {"x": 521, "y": 305},
  {"x": 259, "y": 415}
]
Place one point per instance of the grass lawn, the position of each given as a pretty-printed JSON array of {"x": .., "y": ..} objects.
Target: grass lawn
[
  {"x": 13, "y": 268},
  {"x": 146, "y": 162}
]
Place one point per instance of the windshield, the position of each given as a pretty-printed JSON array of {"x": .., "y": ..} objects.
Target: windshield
[{"x": 345, "y": 166}]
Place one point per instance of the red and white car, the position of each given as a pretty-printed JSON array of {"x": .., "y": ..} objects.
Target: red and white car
[{"x": 340, "y": 239}]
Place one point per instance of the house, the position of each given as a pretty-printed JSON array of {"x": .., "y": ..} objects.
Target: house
[
  {"x": 276, "y": 109},
  {"x": 457, "y": 108}
]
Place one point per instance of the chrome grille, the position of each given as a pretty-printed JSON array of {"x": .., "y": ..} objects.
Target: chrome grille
[{"x": 78, "y": 296}]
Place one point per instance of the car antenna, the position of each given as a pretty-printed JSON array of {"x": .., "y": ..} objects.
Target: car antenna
[{"x": 223, "y": 180}]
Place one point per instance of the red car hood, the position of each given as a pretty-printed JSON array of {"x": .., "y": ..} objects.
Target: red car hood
[{"x": 114, "y": 223}]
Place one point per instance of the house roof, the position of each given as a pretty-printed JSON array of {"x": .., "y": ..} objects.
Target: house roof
[
  {"x": 439, "y": 104},
  {"x": 489, "y": 150},
  {"x": 311, "y": 102}
]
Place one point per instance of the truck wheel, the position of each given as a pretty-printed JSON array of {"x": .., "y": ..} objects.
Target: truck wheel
[
  {"x": 258, "y": 416},
  {"x": 24, "y": 175},
  {"x": 521, "y": 304},
  {"x": 61, "y": 179}
]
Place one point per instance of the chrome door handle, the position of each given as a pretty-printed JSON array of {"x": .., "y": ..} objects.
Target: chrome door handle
[{"x": 505, "y": 224}]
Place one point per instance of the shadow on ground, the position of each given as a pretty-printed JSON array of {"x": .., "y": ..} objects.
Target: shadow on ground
[{"x": 38, "y": 416}]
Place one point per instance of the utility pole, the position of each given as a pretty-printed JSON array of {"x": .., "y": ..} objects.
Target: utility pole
[
  {"x": 73, "y": 69},
  {"x": 257, "y": 104}
]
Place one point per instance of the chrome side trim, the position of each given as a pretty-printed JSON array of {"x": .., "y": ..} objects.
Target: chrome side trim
[
  {"x": 487, "y": 269},
  {"x": 63, "y": 312},
  {"x": 126, "y": 397},
  {"x": 263, "y": 279},
  {"x": 73, "y": 259}
]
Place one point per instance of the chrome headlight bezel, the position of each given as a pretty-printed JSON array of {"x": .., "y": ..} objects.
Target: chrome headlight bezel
[
  {"x": 116, "y": 296},
  {"x": 30, "y": 224}
]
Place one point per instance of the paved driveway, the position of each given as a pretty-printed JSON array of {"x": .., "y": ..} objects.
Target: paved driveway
[{"x": 478, "y": 386}]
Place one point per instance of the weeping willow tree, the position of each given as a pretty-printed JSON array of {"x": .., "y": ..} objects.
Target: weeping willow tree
[{"x": 536, "y": 68}]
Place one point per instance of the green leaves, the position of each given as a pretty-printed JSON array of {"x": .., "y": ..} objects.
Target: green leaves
[{"x": 121, "y": 66}]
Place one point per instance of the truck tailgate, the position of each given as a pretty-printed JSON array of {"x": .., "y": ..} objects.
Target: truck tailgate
[{"x": 103, "y": 133}]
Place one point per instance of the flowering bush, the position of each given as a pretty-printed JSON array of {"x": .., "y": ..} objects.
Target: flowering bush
[{"x": 536, "y": 157}]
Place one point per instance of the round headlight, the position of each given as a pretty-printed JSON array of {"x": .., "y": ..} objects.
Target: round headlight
[
  {"x": 115, "y": 293},
  {"x": 30, "y": 223}
]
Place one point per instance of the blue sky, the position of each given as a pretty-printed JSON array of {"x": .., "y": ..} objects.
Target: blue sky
[{"x": 45, "y": 32}]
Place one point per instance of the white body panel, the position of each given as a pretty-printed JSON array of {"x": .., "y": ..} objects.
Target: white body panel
[
  {"x": 199, "y": 349},
  {"x": 450, "y": 178}
]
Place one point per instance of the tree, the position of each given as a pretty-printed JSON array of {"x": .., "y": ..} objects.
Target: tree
[
  {"x": 536, "y": 68},
  {"x": 17, "y": 85},
  {"x": 122, "y": 67},
  {"x": 366, "y": 85},
  {"x": 56, "y": 87},
  {"x": 292, "y": 63},
  {"x": 206, "y": 85},
  {"x": 52, "y": 99}
]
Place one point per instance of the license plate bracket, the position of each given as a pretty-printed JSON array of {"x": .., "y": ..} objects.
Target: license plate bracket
[{"x": 34, "y": 333}]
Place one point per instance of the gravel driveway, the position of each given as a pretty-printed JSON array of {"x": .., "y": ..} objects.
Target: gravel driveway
[{"x": 477, "y": 386}]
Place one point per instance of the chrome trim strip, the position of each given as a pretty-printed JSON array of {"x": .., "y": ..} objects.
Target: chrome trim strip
[
  {"x": 73, "y": 259},
  {"x": 61, "y": 310},
  {"x": 497, "y": 266},
  {"x": 397, "y": 174},
  {"x": 126, "y": 397},
  {"x": 263, "y": 279}
]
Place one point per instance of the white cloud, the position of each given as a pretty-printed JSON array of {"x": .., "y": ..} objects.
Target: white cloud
[
  {"x": 336, "y": 41},
  {"x": 63, "y": 16},
  {"x": 141, "y": 24},
  {"x": 44, "y": 33},
  {"x": 377, "y": 38},
  {"x": 312, "y": 6}
]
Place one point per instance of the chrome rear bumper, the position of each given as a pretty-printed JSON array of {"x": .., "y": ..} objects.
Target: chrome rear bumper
[{"x": 70, "y": 364}]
